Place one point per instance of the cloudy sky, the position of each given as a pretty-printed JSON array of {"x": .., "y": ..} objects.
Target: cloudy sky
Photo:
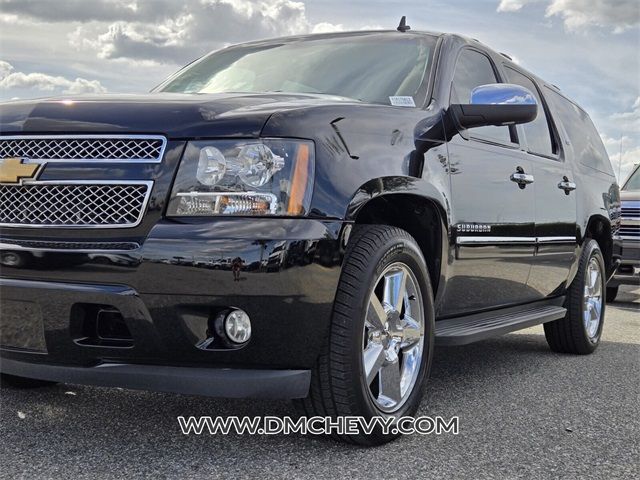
[{"x": 589, "y": 48}]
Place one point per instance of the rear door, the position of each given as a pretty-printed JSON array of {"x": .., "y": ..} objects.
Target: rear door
[
  {"x": 492, "y": 216},
  {"x": 555, "y": 197}
]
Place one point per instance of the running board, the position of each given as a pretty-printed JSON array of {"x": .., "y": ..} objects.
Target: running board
[{"x": 472, "y": 328}]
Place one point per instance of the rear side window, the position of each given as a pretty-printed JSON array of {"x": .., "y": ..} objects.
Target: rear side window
[
  {"x": 538, "y": 132},
  {"x": 472, "y": 70},
  {"x": 587, "y": 144}
]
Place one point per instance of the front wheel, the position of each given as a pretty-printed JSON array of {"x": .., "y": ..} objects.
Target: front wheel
[
  {"x": 379, "y": 349},
  {"x": 580, "y": 330}
]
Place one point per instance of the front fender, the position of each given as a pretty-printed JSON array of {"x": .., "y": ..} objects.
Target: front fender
[{"x": 391, "y": 185}]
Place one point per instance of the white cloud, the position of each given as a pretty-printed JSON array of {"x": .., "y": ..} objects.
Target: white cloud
[
  {"x": 10, "y": 79},
  {"x": 628, "y": 121},
  {"x": 324, "y": 27},
  {"x": 168, "y": 31},
  {"x": 165, "y": 41},
  {"x": 622, "y": 148},
  {"x": 577, "y": 14},
  {"x": 5, "y": 69},
  {"x": 73, "y": 10},
  {"x": 11, "y": 19},
  {"x": 618, "y": 15},
  {"x": 624, "y": 151},
  {"x": 512, "y": 5}
]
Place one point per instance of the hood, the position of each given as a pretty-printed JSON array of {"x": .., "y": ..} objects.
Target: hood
[{"x": 174, "y": 115}]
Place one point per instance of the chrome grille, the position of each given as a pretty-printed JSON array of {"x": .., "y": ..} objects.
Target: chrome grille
[
  {"x": 631, "y": 231},
  {"x": 630, "y": 221},
  {"x": 42, "y": 204},
  {"x": 105, "y": 148},
  {"x": 630, "y": 212}
]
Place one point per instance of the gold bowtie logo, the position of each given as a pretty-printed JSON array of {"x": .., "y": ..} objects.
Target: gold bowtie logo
[{"x": 13, "y": 170}]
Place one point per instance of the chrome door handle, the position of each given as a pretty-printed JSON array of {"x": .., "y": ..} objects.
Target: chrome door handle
[
  {"x": 566, "y": 185},
  {"x": 521, "y": 178}
]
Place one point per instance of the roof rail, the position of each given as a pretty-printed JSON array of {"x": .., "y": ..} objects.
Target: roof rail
[{"x": 506, "y": 56}]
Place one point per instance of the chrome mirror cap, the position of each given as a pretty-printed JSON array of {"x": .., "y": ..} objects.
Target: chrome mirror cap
[{"x": 502, "y": 94}]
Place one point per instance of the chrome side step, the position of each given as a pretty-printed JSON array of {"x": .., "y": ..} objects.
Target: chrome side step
[{"x": 472, "y": 328}]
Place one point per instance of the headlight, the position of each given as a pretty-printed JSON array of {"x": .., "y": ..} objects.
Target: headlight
[{"x": 244, "y": 177}]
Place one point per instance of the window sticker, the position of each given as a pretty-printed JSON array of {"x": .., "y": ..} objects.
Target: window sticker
[{"x": 401, "y": 101}]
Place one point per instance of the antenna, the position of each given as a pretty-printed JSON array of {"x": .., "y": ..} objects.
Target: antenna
[
  {"x": 620, "y": 159},
  {"x": 403, "y": 27}
]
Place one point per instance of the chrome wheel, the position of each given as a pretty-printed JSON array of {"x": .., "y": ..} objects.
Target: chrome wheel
[
  {"x": 393, "y": 337},
  {"x": 592, "y": 299}
]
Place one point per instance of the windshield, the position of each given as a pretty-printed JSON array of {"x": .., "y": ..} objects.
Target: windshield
[
  {"x": 370, "y": 68},
  {"x": 633, "y": 183}
]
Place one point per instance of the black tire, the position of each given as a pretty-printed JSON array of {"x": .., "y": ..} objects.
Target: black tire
[
  {"x": 23, "y": 382},
  {"x": 338, "y": 387},
  {"x": 612, "y": 293},
  {"x": 569, "y": 334}
]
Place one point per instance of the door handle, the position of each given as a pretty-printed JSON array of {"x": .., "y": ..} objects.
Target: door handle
[
  {"x": 566, "y": 185},
  {"x": 521, "y": 178}
]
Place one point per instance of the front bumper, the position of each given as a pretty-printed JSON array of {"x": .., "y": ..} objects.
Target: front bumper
[
  {"x": 628, "y": 272},
  {"x": 216, "y": 382},
  {"x": 282, "y": 272}
]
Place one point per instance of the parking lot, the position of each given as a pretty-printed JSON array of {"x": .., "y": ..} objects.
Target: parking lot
[{"x": 524, "y": 411}]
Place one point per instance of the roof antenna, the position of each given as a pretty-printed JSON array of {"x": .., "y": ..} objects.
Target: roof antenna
[{"x": 403, "y": 27}]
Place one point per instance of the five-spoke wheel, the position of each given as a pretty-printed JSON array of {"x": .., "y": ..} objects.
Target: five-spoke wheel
[
  {"x": 380, "y": 344},
  {"x": 581, "y": 329},
  {"x": 592, "y": 309},
  {"x": 393, "y": 337}
]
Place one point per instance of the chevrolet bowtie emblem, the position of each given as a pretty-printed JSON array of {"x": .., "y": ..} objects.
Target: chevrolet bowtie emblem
[{"x": 14, "y": 170}]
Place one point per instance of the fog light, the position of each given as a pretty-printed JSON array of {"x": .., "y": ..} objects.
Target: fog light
[{"x": 237, "y": 326}]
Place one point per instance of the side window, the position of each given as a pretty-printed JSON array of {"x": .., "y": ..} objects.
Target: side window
[
  {"x": 472, "y": 70},
  {"x": 587, "y": 144},
  {"x": 538, "y": 132}
]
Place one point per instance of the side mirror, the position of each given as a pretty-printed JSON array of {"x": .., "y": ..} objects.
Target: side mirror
[{"x": 496, "y": 104}]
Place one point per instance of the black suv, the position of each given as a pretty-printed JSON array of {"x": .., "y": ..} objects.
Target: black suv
[{"x": 302, "y": 218}]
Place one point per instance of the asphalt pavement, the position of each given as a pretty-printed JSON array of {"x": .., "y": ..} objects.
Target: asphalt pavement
[{"x": 524, "y": 411}]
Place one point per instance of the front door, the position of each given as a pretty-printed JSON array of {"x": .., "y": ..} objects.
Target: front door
[{"x": 493, "y": 215}]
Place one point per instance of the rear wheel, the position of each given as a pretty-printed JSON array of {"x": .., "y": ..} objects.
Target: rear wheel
[
  {"x": 380, "y": 343},
  {"x": 612, "y": 293},
  {"x": 580, "y": 331},
  {"x": 23, "y": 382}
]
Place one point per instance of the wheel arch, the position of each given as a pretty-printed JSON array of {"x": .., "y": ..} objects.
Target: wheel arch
[
  {"x": 400, "y": 202},
  {"x": 599, "y": 229}
]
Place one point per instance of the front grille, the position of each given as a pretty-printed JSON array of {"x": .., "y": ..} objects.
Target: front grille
[
  {"x": 85, "y": 147},
  {"x": 630, "y": 212},
  {"x": 73, "y": 205},
  {"x": 630, "y": 231}
]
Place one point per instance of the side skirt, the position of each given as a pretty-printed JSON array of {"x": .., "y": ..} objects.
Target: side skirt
[{"x": 480, "y": 326}]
